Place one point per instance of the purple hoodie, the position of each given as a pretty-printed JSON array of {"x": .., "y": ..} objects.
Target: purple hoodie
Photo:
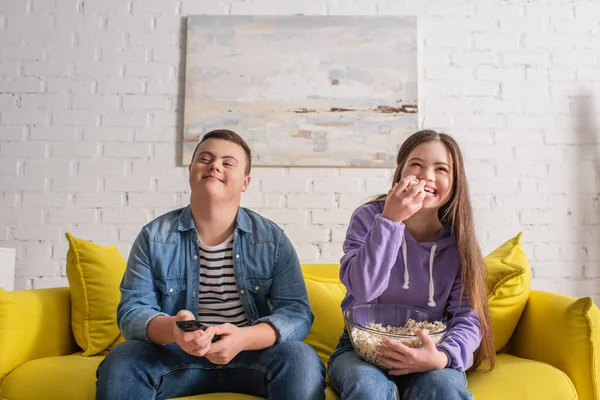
[{"x": 383, "y": 263}]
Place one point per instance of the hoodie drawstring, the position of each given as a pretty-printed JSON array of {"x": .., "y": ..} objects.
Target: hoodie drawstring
[
  {"x": 431, "y": 301},
  {"x": 405, "y": 285}
]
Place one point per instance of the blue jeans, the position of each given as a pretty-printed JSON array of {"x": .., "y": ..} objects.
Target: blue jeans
[
  {"x": 355, "y": 379},
  {"x": 141, "y": 370}
]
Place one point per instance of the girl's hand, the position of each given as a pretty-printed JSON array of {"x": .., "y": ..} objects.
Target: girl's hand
[
  {"x": 404, "y": 199},
  {"x": 405, "y": 360}
]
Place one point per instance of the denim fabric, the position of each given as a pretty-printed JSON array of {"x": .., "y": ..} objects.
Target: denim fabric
[
  {"x": 138, "y": 369},
  {"x": 355, "y": 379},
  {"x": 163, "y": 273}
]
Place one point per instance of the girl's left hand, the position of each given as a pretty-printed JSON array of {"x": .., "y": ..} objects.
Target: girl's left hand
[{"x": 405, "y": 360}]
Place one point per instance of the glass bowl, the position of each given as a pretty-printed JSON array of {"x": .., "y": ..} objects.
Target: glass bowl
[{"x": 368, "y": 324}]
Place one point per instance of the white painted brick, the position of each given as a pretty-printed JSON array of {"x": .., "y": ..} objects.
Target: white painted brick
[
  {"x": 120, "y": 119},
  {"x": 150, "y": 70},
  {"x": 338, "y": 185},
  {"x": 151, "y": 134},
  {"x": 579, "y": 58},
  {"x": 152, "y": 39},
  {"x": 128, "y": 24},
  {"x": 285, "y": 216},
  {"x": 548, "y": 152},
  {"x": 285, "y": 184},
  {"x": 40, "y": 69},
  {"x": 100, "y": 200},
  {"x": 310, "y": 201},
  {"x": 550, "y": 10},
  {"x": 171, "y": 86},
  {"x": 64, "y": 85},
  {"x": 447, "y": 73},
  {"x": 95, "y": 232},
  {"x": 474, "y": 58},
  {"x": 276, "y": 7},
  {"x": 307, "y": 252},
  {"x": 74, "y": 184},
  {"x": 172, "y": 184},
  {"x": 47, "y": 167},
  {"x": 12, "y": 133},
  {"x": 460, "y": 41},
  {"x": 74, "y": 150},
  {"x": 13, "y": 7},
  {"x": 121, "y": 86},
  {"x": 127, "y": 184},
  {"x": 496, "y": 186},
  {"x": 305, "y": 234},
  {"x": 72, "y": 216},
  {"x": 144, "y": 200},
  {"x": 70, "y": 53},
  {"x": 486, "y": 152},
  {"x": 125, "y": 216},
  {"x": 107, "y": 134},
  {"x": 8, "y": 166},
  {"x": 9, "y": 69},
  {"x": 496, "y": 42},
  {"x": 138, "y": 54},
  {"x": 126, "y": 150},
  {"x": 44, "y": 101},
  {"x": 102, "y": 168},
  {"x": 24, "y": 117},
  {"x": 331, "y": 216},
  {"x": 331, "y": 252},
  {"x": 46, "y": 232},
  {"x": 208, "y": 7},
  {"x": 510, "y": 74},
  {"x": 48, "y": 200},
  {"x": 97, "y": 70},
  {"x": 351, "y": 8},
  {"x": 30, "y": 52},
  {"x": 378, "y": 185},
  {"x": 145, "y": 102},
  {"x": 22, "y": 149},
  {"x": 49, "y": 282},
  {"x": 74, "y": 118}
]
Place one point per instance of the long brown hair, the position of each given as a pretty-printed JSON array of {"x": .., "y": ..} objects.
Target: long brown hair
[{"x": 457, "y": 213}]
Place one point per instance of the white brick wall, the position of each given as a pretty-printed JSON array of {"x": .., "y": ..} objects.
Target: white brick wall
[{"x": 90, "y": 96}]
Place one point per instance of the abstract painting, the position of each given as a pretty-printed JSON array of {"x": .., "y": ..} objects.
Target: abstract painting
[{"x": 331, "y": 91}]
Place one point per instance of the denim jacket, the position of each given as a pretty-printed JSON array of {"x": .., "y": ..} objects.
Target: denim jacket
[{"x": 163, "y": 275}]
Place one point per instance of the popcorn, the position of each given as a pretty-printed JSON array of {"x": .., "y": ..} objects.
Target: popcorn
[{"x": 366, "y": 342}]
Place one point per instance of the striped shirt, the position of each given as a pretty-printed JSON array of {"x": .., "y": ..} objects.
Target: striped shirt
[{"x": 218, "y": 299}]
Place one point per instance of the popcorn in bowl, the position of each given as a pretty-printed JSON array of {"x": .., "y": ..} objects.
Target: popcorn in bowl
[{"x": 368, "y": 324}]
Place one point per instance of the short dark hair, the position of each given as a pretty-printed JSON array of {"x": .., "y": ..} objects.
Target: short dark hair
[{"x": 226, "y": 134}]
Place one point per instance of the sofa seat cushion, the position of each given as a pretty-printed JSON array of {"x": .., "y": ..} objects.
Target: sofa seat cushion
[
  {"x": 74, "y": 377},
  {"x": 520, "y": 379},
  {"x": 50, "y": 378}
]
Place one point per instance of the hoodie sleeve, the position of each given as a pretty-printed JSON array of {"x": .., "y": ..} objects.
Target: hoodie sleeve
[
  {"x": 370, "y": 251},
  {"x": 464, "y": 330}
]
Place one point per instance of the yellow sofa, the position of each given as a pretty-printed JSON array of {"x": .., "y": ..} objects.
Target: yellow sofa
[{"x": 552, "y": 354}]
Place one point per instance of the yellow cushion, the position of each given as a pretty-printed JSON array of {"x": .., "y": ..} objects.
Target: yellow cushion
[
  {"x": 516, "y": 378},
  {"x": 564, "y": 332},
  {"x": 94, "y": 274},
  {"x": 325, "y": 296},
  {"x": 33, "y": 324},
  {"x": 509, "y": 280}
]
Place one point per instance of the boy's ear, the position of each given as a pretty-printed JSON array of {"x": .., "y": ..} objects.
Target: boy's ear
[{"x": 247, "y": 180}]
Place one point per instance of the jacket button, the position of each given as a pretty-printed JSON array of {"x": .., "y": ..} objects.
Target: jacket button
[{"x": 195, "y": 257}]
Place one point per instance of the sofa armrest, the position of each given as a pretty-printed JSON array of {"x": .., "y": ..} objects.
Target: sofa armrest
[
  {"x": 564, "y": 332},
  {"x": 34, "y": 324}
]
